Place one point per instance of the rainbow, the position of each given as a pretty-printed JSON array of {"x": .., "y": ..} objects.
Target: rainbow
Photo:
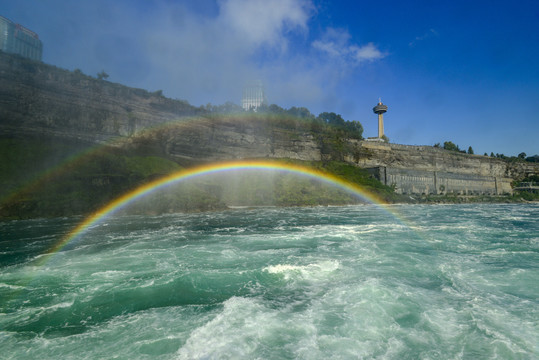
[
  {"x": 207, "y": 169},
  {"x": 67, "y": 163}
]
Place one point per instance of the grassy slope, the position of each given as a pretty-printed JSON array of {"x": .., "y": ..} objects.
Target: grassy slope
[
  {"x": 43, "y": 178},
  {"x": 85, "y": 182}
]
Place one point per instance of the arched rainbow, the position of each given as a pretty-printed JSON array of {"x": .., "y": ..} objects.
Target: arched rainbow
[
  {"x": 207, "y": 169},
  {"x": 66, "y": 164}
]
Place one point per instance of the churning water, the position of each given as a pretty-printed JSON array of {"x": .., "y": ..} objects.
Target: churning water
[{"x": 450, "y": 282}]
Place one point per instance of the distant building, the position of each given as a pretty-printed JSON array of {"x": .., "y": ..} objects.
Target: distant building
[
  {"x": 253, "y": 96},
  {"x": 16, "y": 39}
]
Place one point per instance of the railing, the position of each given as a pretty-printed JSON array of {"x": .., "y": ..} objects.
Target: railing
[{"x": 527, "y": 186}]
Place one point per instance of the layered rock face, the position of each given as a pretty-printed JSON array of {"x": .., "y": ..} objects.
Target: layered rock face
[
  {"x": 48, "y": 100},
  {"x": 229, "y": 137},
  {"x": 39, "y": 98},
  {"x": 429, "y": 170}
]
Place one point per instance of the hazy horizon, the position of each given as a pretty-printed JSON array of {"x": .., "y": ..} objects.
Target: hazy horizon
[{"x": 451, "y": 71}]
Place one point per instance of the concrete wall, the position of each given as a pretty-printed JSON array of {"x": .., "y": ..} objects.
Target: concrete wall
[{"x": 408, "y": 181}]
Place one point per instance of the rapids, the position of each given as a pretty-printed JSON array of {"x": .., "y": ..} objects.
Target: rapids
[{"x": 439, "y": 281}]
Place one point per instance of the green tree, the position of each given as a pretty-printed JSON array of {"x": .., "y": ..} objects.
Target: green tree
[
  {"x": 522, "y": 155},
  {"x": 276, "y": 109},
  {"x": 355, "y": 129},
  {"x": 470, "y": 150},
  {"x": 332, "y": 119},
  {"x": 448, "y": 145},
  {"x": 300, "y": 112},
  {"x": 227, "y": 108}
]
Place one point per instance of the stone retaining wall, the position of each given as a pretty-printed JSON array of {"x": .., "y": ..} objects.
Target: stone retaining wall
[{"x": 408, "y": 181}]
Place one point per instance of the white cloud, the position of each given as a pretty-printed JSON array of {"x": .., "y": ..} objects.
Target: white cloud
[
  {"x": 336, "y": 43},
  {"x": 368, "y": 52},
  {"x": 262, "y": 22},
  {"x": 206, "y": 56}
]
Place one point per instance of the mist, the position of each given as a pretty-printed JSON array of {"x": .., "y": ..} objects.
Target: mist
[
  {"x": 205, "y": 53},
  {"x": 238, "y": 189}
]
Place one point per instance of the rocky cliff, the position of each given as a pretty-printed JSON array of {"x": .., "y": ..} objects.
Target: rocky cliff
[
  {"x": 42, "y": 99},
  {"x": 429, "y": 170},
  {"x": 36, "y": 97},
  {"x": 410, "y": 169},
  {"x": 215, "y": 138}
]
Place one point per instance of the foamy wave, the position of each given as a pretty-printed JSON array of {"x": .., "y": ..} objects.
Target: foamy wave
[
  {"x": 306, "y": 271},
  {"x": 236, "y": 331},
  {"x": 61, "y": 305},
  {"x": 12, "y": 287},
  {"x": 111, "y": 273}
]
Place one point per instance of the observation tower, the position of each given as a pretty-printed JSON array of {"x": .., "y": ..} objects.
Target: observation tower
[{"x": 380, "y": 109}]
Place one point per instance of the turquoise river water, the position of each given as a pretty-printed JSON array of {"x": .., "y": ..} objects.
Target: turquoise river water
[{"x": 352, "y": 282}]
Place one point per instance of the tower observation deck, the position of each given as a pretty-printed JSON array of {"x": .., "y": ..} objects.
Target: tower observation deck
[{"x": 380, "y": 109}]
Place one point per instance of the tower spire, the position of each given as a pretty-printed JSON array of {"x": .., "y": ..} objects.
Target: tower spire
[{"x": 380, "y": 109}]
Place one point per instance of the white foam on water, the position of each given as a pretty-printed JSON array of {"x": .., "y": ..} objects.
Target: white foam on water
[
  {"x": 11, "y": 286},
  {"x": 234, "y": 333},
  {"x": 60, "y": 305},
  {"x": 149, "y": 334},
  {"x": 247, "y": 328},
  {"x": 111, "y": 274},
  {"x": 311, "y": 271},
  {"x": 318, "y": 291},
  {"x": 229, "y": 254},
  {"x": 30, "y": 313}
]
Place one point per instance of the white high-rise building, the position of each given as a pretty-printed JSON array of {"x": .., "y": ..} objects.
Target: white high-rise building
[
  {"x": 16, "y": 39},
  {"x": 253, "y": 96}
]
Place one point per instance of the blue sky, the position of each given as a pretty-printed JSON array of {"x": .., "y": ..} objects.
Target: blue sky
[{"x": 463, "y": 71}]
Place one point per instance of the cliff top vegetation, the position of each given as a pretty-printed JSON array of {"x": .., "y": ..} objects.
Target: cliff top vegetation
[{"x": 449, "y": 145}]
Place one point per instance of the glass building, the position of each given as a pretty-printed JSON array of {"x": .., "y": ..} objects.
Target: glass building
[
  {"x": 16, "y": 39},
  {"x": 253, "y": 96}
]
